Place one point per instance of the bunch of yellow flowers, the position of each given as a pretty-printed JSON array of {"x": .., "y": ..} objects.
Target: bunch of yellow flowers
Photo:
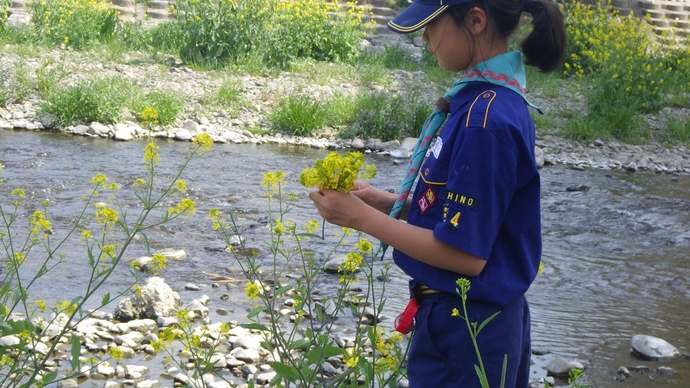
[{"x": 337, "y": 172}]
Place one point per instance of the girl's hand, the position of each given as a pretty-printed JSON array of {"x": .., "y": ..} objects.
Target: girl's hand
[
  {"x": 379, "y": 199},
  {"x": 344, "y": 209}
]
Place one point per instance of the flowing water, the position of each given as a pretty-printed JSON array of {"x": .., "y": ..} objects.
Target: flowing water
[{"x": 616, "y": 244}]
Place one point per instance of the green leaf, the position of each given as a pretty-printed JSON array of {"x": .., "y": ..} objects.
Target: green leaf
[
  {"x": 505, "y": 369},
  {"x": 254, "y": 326},
  {"x": 49, "y": 377},
  {"x": 482, "y": 377},
  {"x": 300, "y": 344},
  {"x": 256, "y": 311},
  {"x": 487, "y": 320},
  {"x": 319, "y": 354},
  {"x": 283, "y": 289},
  {"x": 105, "y": 299},
  {"x": 75, "y": 352},
  {"x": 286, "y": 371}
]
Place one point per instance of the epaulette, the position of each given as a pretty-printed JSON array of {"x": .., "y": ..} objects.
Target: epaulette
[{"x": 478, "y": 113}]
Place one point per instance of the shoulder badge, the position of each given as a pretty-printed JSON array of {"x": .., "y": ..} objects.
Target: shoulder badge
[{"x": 479, "y": 110}]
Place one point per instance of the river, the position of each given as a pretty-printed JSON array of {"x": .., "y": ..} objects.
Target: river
[{"x": 616, "y": 244}]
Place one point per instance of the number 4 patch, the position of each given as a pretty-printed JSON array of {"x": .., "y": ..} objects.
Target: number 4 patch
[{"x": 455, "y": 218}]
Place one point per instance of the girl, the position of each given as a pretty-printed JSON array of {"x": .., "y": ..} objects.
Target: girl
[{"x": 475, "y": 211}]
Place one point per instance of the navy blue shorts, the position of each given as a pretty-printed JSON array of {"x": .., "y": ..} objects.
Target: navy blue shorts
[{"x": 442, "y": 353}]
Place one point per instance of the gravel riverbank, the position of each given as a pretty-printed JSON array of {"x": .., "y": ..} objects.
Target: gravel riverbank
[{"x": 264, "y": 93}]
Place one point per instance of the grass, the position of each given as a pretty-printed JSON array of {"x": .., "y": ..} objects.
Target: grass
[
  {"x": 298, "y": 115},
  {"x": 593, "y": 105}
]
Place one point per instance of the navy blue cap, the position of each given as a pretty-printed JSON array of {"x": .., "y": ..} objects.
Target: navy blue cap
[{"x": 419, "y": 14}]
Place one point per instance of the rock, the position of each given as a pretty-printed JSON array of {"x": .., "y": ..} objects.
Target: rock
[
  {"x": 183, "y": 134},
  {"x": 80, "y": 129},
  {"x": 98, "y": 129},
  {"x": 250, "y": 356},
  {"x": 49, "y": 121},
  {"x": 68, "y": 383},
  {"x": 665, "y": 371},
  {"x": 198, "y": 308},
  {"x": 123, "y": 133},
  {"x": 142, "y": 325},
  {"x": 156, "y": 299},
  {"x": 173, "y": 254},
  {"x": 653, "y": 349},
  {"x": 191, "y": 287},
  {"x": 539, "y": 157},
  {"x": 560, "y": 367}
]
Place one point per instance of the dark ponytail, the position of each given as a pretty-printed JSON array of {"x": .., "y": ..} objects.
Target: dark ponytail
[{"x": 544, "y": 47}]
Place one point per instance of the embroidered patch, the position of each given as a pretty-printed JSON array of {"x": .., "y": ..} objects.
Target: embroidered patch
[
  {"x": 437, "y": 147},
  {"x": 454, "y": 219},
  {"x": 460, "y": 199},
  {"x": 426, "y": 201}
]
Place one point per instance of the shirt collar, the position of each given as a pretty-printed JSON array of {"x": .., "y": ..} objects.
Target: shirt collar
[{"x": 504, "y": 70}]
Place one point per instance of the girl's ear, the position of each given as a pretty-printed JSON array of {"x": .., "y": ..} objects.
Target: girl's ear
[{"x": 477, "y": 20}]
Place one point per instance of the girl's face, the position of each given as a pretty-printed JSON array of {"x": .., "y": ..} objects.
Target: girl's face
[{"x": 449, "y": 44}]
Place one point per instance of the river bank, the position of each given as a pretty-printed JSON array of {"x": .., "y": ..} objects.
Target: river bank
[{"x": 248, "y": 123}]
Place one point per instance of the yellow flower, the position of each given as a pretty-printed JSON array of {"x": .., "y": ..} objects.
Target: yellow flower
[
  {"x": 311, "y": 226},
  {"x": 365, "y": 246},
  {"x": 337, "y": 172},
  {"x": 18, "y": 193},
  {"x": 204, "y": 141},
  {"x": 279, "y": 229},
  {"x": 252, "y": 290},
  {"x": 99, "y": 180},
  {"x": 151, "y": 153}
]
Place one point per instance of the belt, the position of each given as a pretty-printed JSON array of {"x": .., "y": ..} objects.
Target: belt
[{"x": 404, "y": 323}]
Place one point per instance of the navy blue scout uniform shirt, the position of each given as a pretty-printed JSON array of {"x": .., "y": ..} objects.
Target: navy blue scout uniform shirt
[{"x": 479, "y": 191}]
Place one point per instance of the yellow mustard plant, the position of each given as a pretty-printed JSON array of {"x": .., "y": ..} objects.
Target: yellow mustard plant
[
  {"x": 272, "y": 181},
  {"x": 116, "y": 353},
  {"x": 66, "y": 306},
  {"x": 279, "y": 228},
  {"x": 252, "y": 290},
  {"x": 311, "y": 226},
  {"x": 19, "y": 258},
  {"x": 186, "y": 206},
  {"x": 386, "y": 348},
  {"x": 204, "y": 141},
  {"x": 350, "y": 357},
  {"x": 337, "y": 172},
  {"x": 215, "y": 216},
  {"x": 148, "y": 116},
  {"x": 151, "y": 155},
  {"x": 364, "y": 246},
  {"x": 105, "y": 215},
  {"x": 19, "y": 193},
  {"x": 39, "y": 223}
]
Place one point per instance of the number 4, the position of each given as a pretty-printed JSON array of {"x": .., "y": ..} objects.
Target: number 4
[{"x": 454, "y": 221}]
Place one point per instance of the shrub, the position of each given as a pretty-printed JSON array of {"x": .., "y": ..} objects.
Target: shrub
[
  {"x": 75, "y": 23},
  {"x": 15, "y": 84},
  {"x": 4, "y": 7},
  {"x": 308, "y": 29},
  {"x": 299, "y": 115},
  {"x": 166, "y": 37},
  {"x": 381, "y": 116},
  {"x": 219, "y": 31},
  {"x": 98, "y": 99},
  {"x": 158, "y": 107}
]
